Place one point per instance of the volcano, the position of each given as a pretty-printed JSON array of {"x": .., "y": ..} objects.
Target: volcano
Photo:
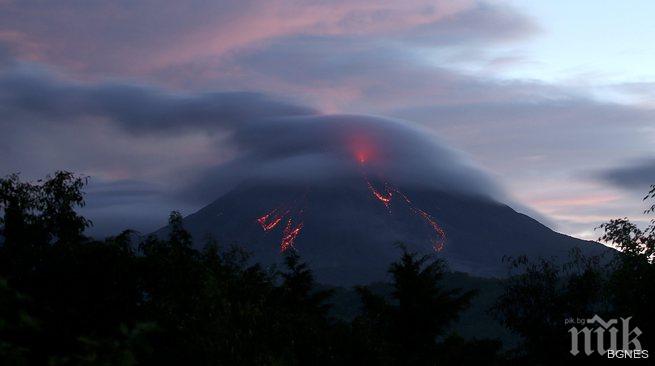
[
  {"x": 348, "y": 233},
  {"x": 343, "y": 190}
]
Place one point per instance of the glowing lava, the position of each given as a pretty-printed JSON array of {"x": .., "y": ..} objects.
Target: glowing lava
[
  {"x": 384, "y": 198},
  {"x": 290, "y": 232},
  {"x": 289, "y": 235},
  {"x": 361, "y": 147},
  {"x": 361, "y": 157},
  {"x": 292, "y": 212},
  {"x": 270, "y": 220},
  {"x": 438, "y": 239}
]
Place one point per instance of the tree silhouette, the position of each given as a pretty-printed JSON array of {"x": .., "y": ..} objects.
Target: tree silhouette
[
  {"x": 633, "y": 271},
  {"x": 541, "y": 294},
  {"x": 66, "y": 299},
  {"x": 420, "y": 311}
]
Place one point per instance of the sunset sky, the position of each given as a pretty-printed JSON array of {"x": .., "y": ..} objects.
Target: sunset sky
[{"x": 552, "y": 99}]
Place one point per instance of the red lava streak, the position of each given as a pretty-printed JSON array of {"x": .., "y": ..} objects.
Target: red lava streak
[
  {"x": 385, "y": 199},
  {"x": 289, "y": 235},
  {"x": 270, "y": 220},
  {"x": 438, "y": 240},
  {"x": 292, "y": 213}
]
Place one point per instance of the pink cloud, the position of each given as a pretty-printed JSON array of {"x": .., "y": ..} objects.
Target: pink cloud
[
  {"x": 141, "y": 37},
  {"x": 576, "y": 201}
]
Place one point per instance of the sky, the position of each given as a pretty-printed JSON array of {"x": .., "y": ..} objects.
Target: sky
[{"x": 552, "y": 101}]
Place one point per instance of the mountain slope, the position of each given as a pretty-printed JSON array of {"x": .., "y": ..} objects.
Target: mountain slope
[{"x": 347, "y": 231}]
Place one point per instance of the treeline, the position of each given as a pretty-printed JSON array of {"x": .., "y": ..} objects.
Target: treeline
[{"x": 66, "y": 299}]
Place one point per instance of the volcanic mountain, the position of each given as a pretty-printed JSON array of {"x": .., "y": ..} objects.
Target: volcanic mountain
[
  {"x": 348, "y": 233},
  {"x": 342, "y": 191}
]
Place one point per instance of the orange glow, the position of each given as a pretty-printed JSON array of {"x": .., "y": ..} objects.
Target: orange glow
[
  {"x": 361, "y": 147},
  {"x": 438, "y": 239},
  {"x": 270, "y": 220},
  {"x": 289, "y": 235},
  {"x": 361, "y": 157},
  {"x": 385, "y": 199}
]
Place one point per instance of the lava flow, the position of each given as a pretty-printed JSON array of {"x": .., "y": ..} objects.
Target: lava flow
[
  {"x": 291, "y": 213},
  {"x": 438, "y": 240},
  {"x": 384, "y": 198},
  {"x": 289, "y": 235},
  {"x": 270, "y": 221}
]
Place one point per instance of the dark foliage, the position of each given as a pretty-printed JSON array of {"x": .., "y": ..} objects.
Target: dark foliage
[
  {"x": 66, "y": 299},
  {"x": 407, "y": 329},
  {"x": 541, "y": 294}
]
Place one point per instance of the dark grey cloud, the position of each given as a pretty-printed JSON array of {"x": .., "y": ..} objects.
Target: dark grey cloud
[
  {"x": 119, "y": 192},
  {"x": 113, "y": 131},
  {"x": 137, "y": 109},
  {"x": 571, "y": 126},
  {"x": 363, "y": 76},
  {"x": 117, "y": 205},
  {"x": 139, "y": 144},
  {"x": 324, "y": 150},
  {"x": 6, "y": 56},
  {"x": 512, "y": 127},
  {"x": 636, "y": 175}
]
